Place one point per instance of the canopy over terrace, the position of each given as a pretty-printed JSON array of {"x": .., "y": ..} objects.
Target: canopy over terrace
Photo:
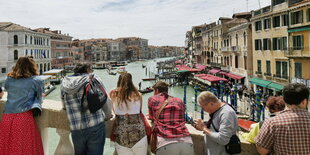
[
  {"x": 182, "y": 68},
  {"x": 209, "y": 79}
]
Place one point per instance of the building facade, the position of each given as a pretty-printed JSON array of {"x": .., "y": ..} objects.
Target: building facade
[
  {"x": 17, "y": 41},
  {"x": 62, "y": 56},
  {"x": 298, "y": 52}
]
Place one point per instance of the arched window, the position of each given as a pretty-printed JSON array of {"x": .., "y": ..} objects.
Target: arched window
[
  {"x": 26, "y": 39},
  {"x": 236, "y": 61},
  {"x": 244, "y": 39},
  {"x": 30, "y": 39},
  {"x": 48, "y": 67},
  {"x": 15, "y": 54},
  {"x": 15, "y": 39},
  {"x": 26, "y": 52}
]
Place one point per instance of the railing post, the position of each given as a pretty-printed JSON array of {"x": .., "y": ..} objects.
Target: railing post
[{"x": 64, "y": 146}]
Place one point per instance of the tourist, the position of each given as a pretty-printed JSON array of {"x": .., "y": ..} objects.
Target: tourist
[
  {"x": 1, "y": 93},
  {"x": 87, "y": 129},
  {"x": 274, "y": 105},
  {"x": 289, "y": 131},
  {"x": 129, "y": 129},
  {"x": 173, "y": 137},
  {"x": 19, "y": 133},
  {"x": 222, "y": 119}
]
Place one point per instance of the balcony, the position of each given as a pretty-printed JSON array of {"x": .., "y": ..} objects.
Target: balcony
[
  {"x": 235, "y": 48},
  {"x": 258, "y": 72},
  {"x": 280, "y": 76},
  {"x": 225, "y": 49},
  {"x": 298, "y": 52}
]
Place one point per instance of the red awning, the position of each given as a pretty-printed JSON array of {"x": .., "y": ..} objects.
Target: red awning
[
  {"x": 212, "y": 78},
  {"x": 200, "y": 67},
  {"x": 234, "y": 76},
  {"x": 178, "y": 62},
  {"x": 222, "y": 72},
  {"x": 214, "y": 71}
]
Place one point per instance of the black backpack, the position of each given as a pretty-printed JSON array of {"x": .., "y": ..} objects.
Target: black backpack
[{"x": 95, "y": 94}]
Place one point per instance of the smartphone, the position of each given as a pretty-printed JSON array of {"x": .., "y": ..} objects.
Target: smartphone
[{"x": 189, "y": 119}]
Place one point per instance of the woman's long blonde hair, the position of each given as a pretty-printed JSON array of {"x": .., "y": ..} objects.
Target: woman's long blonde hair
[
  {"x": 25, "y": 67},
  {"x": 126, "y": 91}
]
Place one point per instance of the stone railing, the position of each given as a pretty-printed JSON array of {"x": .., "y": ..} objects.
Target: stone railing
[{"x": 53, "y": 116}]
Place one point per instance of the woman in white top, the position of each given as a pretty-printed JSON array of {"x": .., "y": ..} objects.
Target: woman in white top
[{"x": 129, "y": 129}]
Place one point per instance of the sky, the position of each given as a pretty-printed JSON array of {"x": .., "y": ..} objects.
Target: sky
[{"x": 162, "y": 22}]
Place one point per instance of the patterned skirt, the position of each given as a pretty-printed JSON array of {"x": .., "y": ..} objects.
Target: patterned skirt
[
  {"x": 19, "y": 134},
  {"x": 129, "y": 129}
]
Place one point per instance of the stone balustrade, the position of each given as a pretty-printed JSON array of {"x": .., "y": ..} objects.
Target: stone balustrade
[{"x": 53, "y": 116}]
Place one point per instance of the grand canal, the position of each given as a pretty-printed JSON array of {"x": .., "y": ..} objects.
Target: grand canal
[{"x": 110, "y": 81}]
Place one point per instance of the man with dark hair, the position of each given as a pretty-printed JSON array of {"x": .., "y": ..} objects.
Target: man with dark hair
[
  {"x": 172, "y": 134},
  {"x": 289, "y": 131},
  {"x": 87, "y": 129}
]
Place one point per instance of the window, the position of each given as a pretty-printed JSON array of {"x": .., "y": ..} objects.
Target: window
[
  {"x": 276, "y": 2},
  {"x": 25, "y": 39},
  {"x": 297, "y": 42},
  {"x": 308, "y": 14},
  {"x": 267, "y": 23},
  {"x": 276, "y": 21},
  {"x": 266, "y": 44},
  {"x": 277, "y": 44},
  {"x": 284, "y": 70},
  {"x": 244, "y": 39},
  {"x": 259, "y": 66},
  {"x": 284, "y": 43},
  {"x": 296, "y": 17},
  {"x": 15, "y": 39},
  {"x": 284, "y": 20},
  {"x": 258, "y": 44},
  {"x": 30, "y": 39},
  {"x": 15, "y": 55},
  {"x": 298, "y": 70},
  {"x": 245, "y": 62},
  {"x": 3, "y": 70},
  {"x": 268, "y": 71},
  {"x": 258, "y": 25},
  {"x": 281, "y": 69},
  {"x": 236, "y": 61},
  {"x": 236, "y": 39}
]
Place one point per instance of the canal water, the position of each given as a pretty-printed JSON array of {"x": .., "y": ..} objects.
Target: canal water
[{"x": 110, "y": 81}]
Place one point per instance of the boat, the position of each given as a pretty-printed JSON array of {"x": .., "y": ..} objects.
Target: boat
[
  {"x": 146, "y": 90},
  {"x": 149, "y": 79},
  {"x": 112, "y": 73},
  {"x": 121, "y": 70},
  {"x": 48, "y": 87},
  {"x": 101, "y": 65},
  {"x": 56, "y": 75}
]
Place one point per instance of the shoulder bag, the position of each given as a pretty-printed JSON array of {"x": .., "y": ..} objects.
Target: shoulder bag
[{"x": 153, "y": 141}]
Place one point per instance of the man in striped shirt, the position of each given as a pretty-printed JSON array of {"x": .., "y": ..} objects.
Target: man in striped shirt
[{"x": 288, "y": 133}]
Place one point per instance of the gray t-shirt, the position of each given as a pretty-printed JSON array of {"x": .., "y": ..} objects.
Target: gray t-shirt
[{"x": 225, "y": 120}]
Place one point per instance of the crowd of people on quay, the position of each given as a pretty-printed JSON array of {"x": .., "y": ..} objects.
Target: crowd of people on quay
[{"x": 89, "y": 106}]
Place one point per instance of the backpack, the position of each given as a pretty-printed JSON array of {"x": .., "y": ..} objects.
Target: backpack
[{"x": 95, "y": 94}]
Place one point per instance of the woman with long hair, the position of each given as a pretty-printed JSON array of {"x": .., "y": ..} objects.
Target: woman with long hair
[
  {"x": 19, "y": 133},
  {"x": 129, "y": 129}
]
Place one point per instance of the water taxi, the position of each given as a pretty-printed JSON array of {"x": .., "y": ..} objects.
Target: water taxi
[
  {"x": 121, "y": 70},
  {"x": 48, "y": 87},
  {"x": 56, "y": 75}
]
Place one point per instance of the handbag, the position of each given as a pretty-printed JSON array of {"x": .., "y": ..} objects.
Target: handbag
[
  {"x": 234, "y": 144},
  {"x": 153, "y": 139}
]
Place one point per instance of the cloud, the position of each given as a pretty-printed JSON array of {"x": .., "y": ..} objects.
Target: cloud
[{"x": 163, "y": 22}]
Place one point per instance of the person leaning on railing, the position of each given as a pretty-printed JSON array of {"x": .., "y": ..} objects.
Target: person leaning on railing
[{"x": 19, "y": 133}]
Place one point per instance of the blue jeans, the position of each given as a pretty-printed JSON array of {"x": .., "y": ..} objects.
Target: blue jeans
[{"x": 89, "y": 141}]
